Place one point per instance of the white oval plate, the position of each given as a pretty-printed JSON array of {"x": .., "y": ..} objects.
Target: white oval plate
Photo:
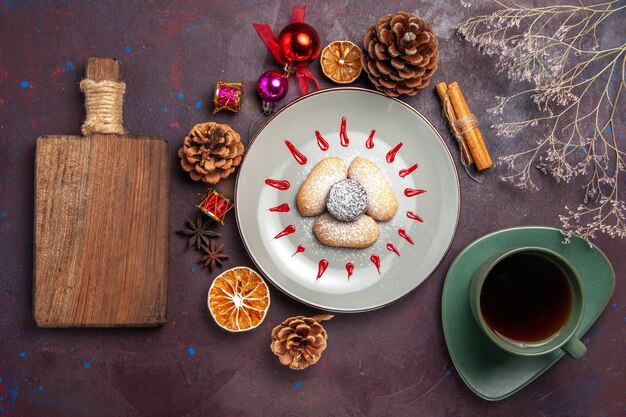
[{"x": 268, "y": 157}]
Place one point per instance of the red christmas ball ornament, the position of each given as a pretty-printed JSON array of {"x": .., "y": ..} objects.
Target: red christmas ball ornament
[{"x": 299, "y": 44}]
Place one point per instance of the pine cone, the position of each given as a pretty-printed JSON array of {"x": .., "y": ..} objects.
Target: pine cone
[
  {"x": 400, "y": 54},
  {"x": 210, "y": 152},
  {"x": 299, "y": 341}
]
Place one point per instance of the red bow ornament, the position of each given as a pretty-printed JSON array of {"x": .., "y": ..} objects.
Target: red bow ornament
[{"x": 297, "y": 45}]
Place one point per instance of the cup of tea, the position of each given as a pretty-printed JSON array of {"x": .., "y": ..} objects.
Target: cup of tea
[{"x": 529, "y": 301}]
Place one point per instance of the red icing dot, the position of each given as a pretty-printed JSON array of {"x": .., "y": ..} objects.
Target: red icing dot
[
  {"x": 410, "y": 192},
  {"x": 391, "y": 155},
  {"x": 299, "y": 249},
  {"x": 321, "y": 268},
  {"x": 414, "y": 216},
  {"x": 376, "y": 261},
  {"x": 321, "y": 142},
  {"x": 287, "y": 231},
  {"x": 369, "y": 143},
  {"x": 283, "y": 208},
  {"x": 404, "y": 172},
  {"x": 402, "y": 234},
  {"x": 301, "y": 159},
  {"x": 350, "y": 269},
  {"x": 343, "y": 136},
  {"x": 392, "y": 248},
  {"x": 278, "y": 184}
]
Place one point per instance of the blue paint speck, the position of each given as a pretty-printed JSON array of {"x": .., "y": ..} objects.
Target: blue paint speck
[
  {"x": 69, "y": 66},
  {"x": 193, "y": 269},
  {"x": 93, "y": 358},
  {"x": 38, "y": 30},
  {"x": 191, "y": 351},
  {"x": 22, "y": 354},
  {"x": 180, "y": 95},
  {"x": 24, "y": 84},
  {"x": 193, "y": 23},
  {"x": 36, "y": 98},
  {"x": 72, "y": 349},
  {"x": 127, "y": 49},
  {"x": 449, "y": 372},
  {"x": 87, "y": 365},
  {"x": 198, "y": 104},
  {"x": 608, "y": 129},
  {"x": 14, "y": 391},
  {"x": 164, "y": 109},
  {"x": 40, "y": 388},
  {"x": 4, "y": 214},
  {"x": 1, "y": 379},
  {"x": 297, "y": 385}
]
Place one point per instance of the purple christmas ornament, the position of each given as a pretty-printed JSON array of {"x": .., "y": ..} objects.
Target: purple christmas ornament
[{"x": 272, "y": 87}]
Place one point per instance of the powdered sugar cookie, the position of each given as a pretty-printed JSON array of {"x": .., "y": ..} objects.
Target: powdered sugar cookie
[
  {"x": 383, "y": 203},
  {"x": 311, "y": 199},
  {"x": 360, "y": 233}
]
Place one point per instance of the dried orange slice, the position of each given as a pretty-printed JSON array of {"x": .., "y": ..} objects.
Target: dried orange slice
[
  {"x": 238, "y": 299},
  {"x": 341, "y": 61}
]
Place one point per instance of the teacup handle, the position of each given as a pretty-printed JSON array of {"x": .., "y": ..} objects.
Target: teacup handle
[{"x": 575, "y": 348}]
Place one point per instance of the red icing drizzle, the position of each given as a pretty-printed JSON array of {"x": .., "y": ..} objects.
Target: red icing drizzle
[
  {"x": 376, "y": 261},
  {"x": 392, "y": 248},
  {"x": 343, "y": 137},
  {"x": 283, "y": 208},
  {"x": 321, "y": 142},
  {"x": 404, "y": 172},
  {"x": 410, "y": 192},
  {"x": 350, "y": 269},
  {"x": 406, "y": 237},
  {"x": 321, "y": 268},
  {"x": 299, "y": 249},
  {"x": 391, "y": 155},
  {"x": 287, "y": 231},
  {"x": 301, "y": 159},
  {"x": 414, "y": 216},
  {"x": 278, "y": 184},
  {"x": 369, "y": 143}
]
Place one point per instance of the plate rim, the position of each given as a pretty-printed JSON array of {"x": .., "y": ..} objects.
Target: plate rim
[
  {"x": 446, "y": 284},
  {"x": 456, "y": 220}
]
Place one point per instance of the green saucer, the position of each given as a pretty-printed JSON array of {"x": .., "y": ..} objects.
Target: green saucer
[{"x": 490, "y": 372}]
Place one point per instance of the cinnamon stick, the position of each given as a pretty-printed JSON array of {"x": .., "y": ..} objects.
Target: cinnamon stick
[
  {"x": 442, "y": 92},
  {"x": 473, "y": 137}
]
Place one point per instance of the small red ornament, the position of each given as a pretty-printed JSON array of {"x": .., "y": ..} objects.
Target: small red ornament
[
  {"x": 299, "y": 44},
  {"x": 215, "y": 205},
  {"x": 227, "y": 96}
]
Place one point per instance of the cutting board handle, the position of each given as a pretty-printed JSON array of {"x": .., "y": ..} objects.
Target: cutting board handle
[{"x": 104, "y": 96}]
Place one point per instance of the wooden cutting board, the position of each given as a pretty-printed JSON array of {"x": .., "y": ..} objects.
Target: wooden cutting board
[{"x": 101, "y": 226}]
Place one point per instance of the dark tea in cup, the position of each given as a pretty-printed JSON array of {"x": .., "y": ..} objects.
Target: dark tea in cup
[
  {"x": 529, "y": 301},
  {"x": 526, "y": 298}
]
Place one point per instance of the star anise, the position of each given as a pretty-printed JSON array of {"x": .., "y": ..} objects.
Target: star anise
[
  {"x": 198, "y": 233},
  {"x": 214, "y": 256}
]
